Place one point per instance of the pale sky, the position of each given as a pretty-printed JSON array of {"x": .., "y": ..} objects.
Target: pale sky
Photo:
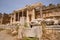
[{"x": 8, "y": 6}]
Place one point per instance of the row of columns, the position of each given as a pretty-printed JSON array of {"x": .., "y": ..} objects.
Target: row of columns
[
  {"x": 27, "y": 17},
  {"x": 13, "y": 17}
]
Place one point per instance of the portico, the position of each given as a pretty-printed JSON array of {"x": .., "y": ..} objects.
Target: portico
[{"x": 29, "y": 13}]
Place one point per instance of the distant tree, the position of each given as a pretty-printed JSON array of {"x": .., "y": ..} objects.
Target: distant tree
[
  {"x": 6, "y": 18},
  {"x": 0, "y": 15},
  {"x": 51, "y": 5},
  {"x": 58, "y": 4},
  {"x": 44, "y": 6}
]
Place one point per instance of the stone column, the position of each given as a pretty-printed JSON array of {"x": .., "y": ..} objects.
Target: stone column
[
  {"x": 27, "y": 20},
  {"x": 33, "y": 14},
  {"x": 14, "y": 17},
  {"x": 41, "y": 12},
  {"x": 27, "y": 16},
  {"x": 18, "y": 16},
  {"x": 11, "y": 20},
  {"x": 22, "y": 13},
  {"x": 20, "y": 32},
  {"x": 1, "y": 20}
]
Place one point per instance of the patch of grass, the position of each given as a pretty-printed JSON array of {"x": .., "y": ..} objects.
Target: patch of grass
[
  {"x": 25, "y": 25},
  {"x": 30, "y": 38}
]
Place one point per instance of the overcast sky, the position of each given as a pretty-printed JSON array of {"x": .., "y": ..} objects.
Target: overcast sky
[{"x": 8, "y": 6}]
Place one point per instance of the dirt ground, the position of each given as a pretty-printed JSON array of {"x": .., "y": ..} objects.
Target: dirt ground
[{"x": 5, "y": 36}]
